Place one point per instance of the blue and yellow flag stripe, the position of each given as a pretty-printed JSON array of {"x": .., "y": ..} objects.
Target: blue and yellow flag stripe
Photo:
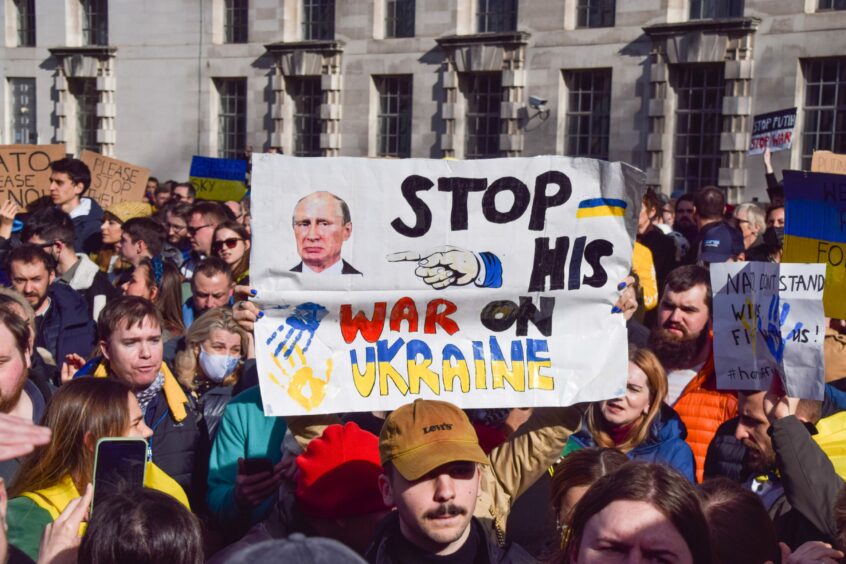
[{"x": 601, "y": 207}]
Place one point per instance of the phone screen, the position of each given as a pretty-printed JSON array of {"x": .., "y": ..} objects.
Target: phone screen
[{"x": 119, "y": 463}]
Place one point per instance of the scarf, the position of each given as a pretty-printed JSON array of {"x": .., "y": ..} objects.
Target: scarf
[{"x": 144, "y": 397}]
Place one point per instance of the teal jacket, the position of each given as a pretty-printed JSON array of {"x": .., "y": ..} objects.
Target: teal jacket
[{"x": 243, "y": 432}]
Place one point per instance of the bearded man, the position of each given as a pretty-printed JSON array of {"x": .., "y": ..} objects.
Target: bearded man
[{"x": 682, "y": 341}]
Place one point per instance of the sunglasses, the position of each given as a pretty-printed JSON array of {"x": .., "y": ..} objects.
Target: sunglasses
[
  {"x": 228, "y": 243},
  {"x": 193, "y": 230}
]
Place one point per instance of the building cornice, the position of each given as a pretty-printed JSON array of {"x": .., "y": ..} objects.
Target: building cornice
[
  {"x": 99, "y": 51},
  {"x": 717, "y": 25},
  {"x": 493, "y": 38},
  {"x": 322, "y": 46}
]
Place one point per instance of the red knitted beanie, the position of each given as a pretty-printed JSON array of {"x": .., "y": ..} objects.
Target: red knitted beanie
[{"x": 339, "y": 474}]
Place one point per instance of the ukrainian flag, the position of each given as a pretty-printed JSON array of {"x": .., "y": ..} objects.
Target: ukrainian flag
[
  {"x": 601, "y": 207},
  {"x": 218, "y": 179},
  {"x": 815, "y": 230}
]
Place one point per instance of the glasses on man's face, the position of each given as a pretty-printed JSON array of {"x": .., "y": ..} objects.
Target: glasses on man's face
[
  {"x": 193, "y": 230},
  {"x": 175, "y": 227},
  {"x": 230, "y": 244},
  {"x": 44, "y": 245}
]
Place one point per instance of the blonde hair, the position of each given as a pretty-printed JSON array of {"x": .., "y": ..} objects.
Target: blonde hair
[
  {"x": 185, "y": 363},
  {"x": 656, "y": 380}
]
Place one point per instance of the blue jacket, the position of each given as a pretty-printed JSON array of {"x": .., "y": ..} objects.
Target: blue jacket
[
  {"x": 67, "y": 326},
  {"x": 87, "y": 235},
  {"x": 664, "y": 443}
]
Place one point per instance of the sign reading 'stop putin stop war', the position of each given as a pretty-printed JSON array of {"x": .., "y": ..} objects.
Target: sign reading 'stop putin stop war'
[{"x": 483, "y": 283}]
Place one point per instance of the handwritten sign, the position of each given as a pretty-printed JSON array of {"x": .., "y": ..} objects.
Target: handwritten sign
[
  {"x": 219, "y": 179},
  {"x": 25, "y": 171},
  {"x": 826, "y": 161},
  {"x": 768, "y": 322},
  {"x": 114, "y": 181},
  {"x": 773, "y": 130},
  {"x": 815, "y": 229},
  {"x": 483, "y": 283}
]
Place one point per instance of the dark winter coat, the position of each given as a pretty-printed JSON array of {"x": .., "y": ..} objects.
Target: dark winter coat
[
  {"x": 665, "y": 443},
  {"x": 87, "y": 235},
  {"x": 378, "y": 553},
  {"x": 66, "y": 327}
]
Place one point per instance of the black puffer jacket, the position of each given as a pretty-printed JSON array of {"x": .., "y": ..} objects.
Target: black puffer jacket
[{"x": 67, "y": 326}]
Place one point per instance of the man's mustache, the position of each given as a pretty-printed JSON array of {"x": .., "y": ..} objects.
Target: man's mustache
[{"x": 446, "y": 509}]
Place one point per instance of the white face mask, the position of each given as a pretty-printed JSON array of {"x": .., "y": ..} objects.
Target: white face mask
[{"x": 218, "y": 366}]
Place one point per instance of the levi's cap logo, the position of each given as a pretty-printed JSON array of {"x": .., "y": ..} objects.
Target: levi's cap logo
[{"x": 439, "y": 427}]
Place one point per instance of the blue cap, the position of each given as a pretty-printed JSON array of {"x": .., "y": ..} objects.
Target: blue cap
[{"x": 719, "y": 242}]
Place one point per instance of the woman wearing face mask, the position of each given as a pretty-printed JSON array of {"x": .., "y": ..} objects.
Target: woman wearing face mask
[
  {"x": 210, "y": 364},
  {"x": 639, "y": 423}
]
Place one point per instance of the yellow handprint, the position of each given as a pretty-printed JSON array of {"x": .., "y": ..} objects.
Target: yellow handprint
[
  {"x": 749, "y": 325},
  {"x": 303, "y": 386}
]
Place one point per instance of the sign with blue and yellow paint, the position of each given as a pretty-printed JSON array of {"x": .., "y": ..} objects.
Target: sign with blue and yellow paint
[
  {"x": 219, "y": 179},
  {"x": 815, "y": 230}
]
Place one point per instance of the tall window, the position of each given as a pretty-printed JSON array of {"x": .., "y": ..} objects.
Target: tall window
[
  {"x": 399, "y": 18},
  {"x": 496, "y": 15},
  {"x": 307, "y": 96},
  {"x": 318, "y": 19},
  {"x": 699, "y": 89},
  {"x": 232, "y": 117},
  {"x": 235, "y": 21},
  {"x": 22, "y": 126},
  {"x": 26, "y": 22},
  {"x": 95, "y": 22},
  {"x": 394, "y": 116},
  {"x": 588, "y": 113},
  {"x": 596, "y": 13},
  {"x": 825, "y": 108},
  {"x": 711, "y": 9},
  {"x": 832, "y": 5},
  {"x": 84, "y": 92},
  {"x": 483, "y": 92}
]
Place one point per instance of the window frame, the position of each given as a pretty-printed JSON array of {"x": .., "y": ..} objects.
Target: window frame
[
  {"x": 23, "y": 111},
  {"x": 95, "y": 22},
  {"x": 236, "y": 17},
  {"x": 306, "y": 94},
  {"x": 25, "y": 23},
  {"x": 394, "y": 115},
  {"x": 587, "y": 10},
  {"x": 481, "y": 145},
  {"x": 318, "y": 29},
  {"x": 716, "y": 9},
  {"x": 231, "y": 117},
  {"x": 397, "y": 26},
  {"x": 692, "y": 109},
  {"x": 86, "y": 97},
  {"x": 578, "y": 117},
  {"x": 494, "y": 16},
  {"x": 834, "y": 112}
]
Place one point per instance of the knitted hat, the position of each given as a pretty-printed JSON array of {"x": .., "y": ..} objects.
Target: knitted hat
[
  {"x": 339, "y": 474},
  {"x": 125, "y": 211}
]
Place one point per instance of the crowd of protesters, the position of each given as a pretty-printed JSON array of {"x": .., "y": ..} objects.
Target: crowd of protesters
[{"x": 135, "y": 321}]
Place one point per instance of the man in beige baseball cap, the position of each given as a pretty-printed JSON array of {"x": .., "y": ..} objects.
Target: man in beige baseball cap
[{"x": 432, "y": 462}]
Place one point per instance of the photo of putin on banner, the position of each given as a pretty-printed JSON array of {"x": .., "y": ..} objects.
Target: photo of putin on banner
[{"x": 322, "y": 224}]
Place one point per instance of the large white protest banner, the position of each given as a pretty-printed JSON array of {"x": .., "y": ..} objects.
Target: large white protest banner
[
  {"x": 768, "y": 321},
  {"x": 483, "y": 283}
]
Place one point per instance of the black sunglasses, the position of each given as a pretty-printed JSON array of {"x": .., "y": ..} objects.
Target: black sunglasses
[{"x": 230, "y": 243}]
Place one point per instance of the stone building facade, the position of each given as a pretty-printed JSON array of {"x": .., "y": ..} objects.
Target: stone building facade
[{"x": 669, "y": 86}]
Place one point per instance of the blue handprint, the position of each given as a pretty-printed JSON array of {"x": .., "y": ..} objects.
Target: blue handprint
[
  {"x": 775, "y": 321},
  {"x": 305, "y": 319}
]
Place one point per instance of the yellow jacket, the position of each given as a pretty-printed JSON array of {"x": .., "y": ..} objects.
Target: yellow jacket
[
  {"x": 831, "y": 437},
  {"x": 56, "y": 498}
]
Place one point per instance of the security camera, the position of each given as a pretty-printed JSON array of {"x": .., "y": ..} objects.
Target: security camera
[{"x": 536, "y": 102}]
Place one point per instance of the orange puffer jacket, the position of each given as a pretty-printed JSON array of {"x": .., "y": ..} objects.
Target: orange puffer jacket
[{"x": 703, "y": 409}]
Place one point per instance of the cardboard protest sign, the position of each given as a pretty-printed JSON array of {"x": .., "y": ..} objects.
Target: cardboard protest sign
[
  {"x": 483, "y": 283},
  {"x": 815, "y": 230},
  {"x": 25, "y": 171},
  {"x": 826, "y": 161},
  {"x": 114, "y": 181},
  {"x": 773, "y": 130},
  {"x": 219, "y": 179},
  {"x": 768, "y": 321}
]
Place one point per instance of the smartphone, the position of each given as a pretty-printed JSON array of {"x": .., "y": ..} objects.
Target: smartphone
[
  {"x": 257, "y": 465},
  {"x": 119, "y": 462}
]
